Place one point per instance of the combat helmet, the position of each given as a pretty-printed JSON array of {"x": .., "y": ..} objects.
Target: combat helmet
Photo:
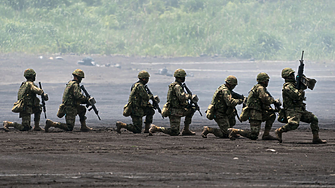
[
  {"x": 262, "y": 77},
  {"x": 79, "y": 73},
  {"x": 143, "y": 74},
  {"x": 231, "y": 80},
  {"x": 286, "y": 72},
  {"x": 28, "y": 73},
  {"x": 179, "y": 73}
]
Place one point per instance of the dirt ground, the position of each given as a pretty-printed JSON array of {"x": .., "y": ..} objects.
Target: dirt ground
[{"x": 103, "y": 158}]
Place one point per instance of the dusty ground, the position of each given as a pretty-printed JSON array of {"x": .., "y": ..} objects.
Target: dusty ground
[{"x": 103, "y": 158}]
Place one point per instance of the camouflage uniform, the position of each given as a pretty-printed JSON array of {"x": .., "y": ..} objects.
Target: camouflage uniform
[
  {"x": 140, "y": 106},
  {"x": 295, "y": 108},
  {"x": 72, "y": 98},
  {"x": 258, "y": 104},
  {"x": 27, "y": 92},
  {"x": 177, "y": 102},
  {"x": 224, "y": 109}
]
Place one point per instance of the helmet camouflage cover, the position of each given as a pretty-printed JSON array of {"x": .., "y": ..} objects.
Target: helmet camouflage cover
[
  {"x": 29, "y": 73},
  {"x": 79, "y": 73},
  {"x": 286, "y": 72},
  {"x": 143, "y": 74},
  {"x": 262, "y": 77},
  {"x": 179, "y": 73},
  {"x": 232, "y": 80}
]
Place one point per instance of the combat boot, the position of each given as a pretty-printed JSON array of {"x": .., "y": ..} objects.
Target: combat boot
[
  {"x": 7, "y": 124},
  {"x": 154, "y": 129},
  {"x": 120, "y": 125},
  {"x": 317, "y": 140},
  {"x": 49, "y": 124},
  {"x": 205, "y": 131},
  {"x": 233, "y": 133},
  {"x": 147, "y": 127},
  {"x": 279, "y": 133},
  {"x": 267, "y": 136},
  {"x": 84, "y": 127},
  {"x": 37, "y": 126},
  {"x": 186, "y": 131}
]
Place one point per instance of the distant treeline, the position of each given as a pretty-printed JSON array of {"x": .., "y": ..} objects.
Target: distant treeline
[{"x": 259, "y": 29}]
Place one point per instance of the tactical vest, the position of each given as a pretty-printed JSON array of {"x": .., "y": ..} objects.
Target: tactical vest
[
  {"x": 26, "y": 94},
  {"x": 288, "y": 101},
  {"x": 172, "y": 98},
  {"x": 218, "y": 101},
  {"x": 68, "y": 96},
  {"x": 135, "y": 98},
  {"x": 254, "y": 102}
]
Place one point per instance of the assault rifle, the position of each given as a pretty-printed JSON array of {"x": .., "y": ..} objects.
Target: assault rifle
[
  {"x": 43, "y": 102},
  {"x": 302, "y": 81},
  {"x": 277, "y": 105},
  {"x": 238, "y": 96},
  {"x": 90, "y": 103},
  {"x": 154, "y": 101},
  {"x": 192, "y": 102}
]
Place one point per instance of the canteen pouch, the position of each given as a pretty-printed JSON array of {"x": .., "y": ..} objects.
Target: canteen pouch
[
  {"x": 245, "y": 114},
  {"x": 61, "y": 111},
  {"x": 210, "y": 112},
  {"x": 18, "y": 106},
  {"x": 165, "y": 110},
  {"x": 127, "y": 109}
]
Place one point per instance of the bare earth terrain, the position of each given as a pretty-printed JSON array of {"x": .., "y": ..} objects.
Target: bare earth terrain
[{"x": 103, "y": 158}]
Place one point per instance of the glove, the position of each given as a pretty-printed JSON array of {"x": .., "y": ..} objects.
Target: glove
[
  {"x": 195, "y": 98},
  {"x": 277, "y": 102},
  {"x": 91, "y": 101},
  {"x": 45, "y": 96},
  {"x": 239, "y": 101},
  {"x": 156, "y": 98}
]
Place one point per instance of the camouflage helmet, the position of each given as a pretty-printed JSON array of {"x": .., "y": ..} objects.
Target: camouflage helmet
[
  {"x": 179, "y": 73},
  {"x": 79, "y": 73},
  {"x": 143, "y": 74},
  {"x": 29, "y": 73},
  {"x": 286, "y": 72},
  {"x": 262, "y": 77},
  {"x": 232, "y": 80}
]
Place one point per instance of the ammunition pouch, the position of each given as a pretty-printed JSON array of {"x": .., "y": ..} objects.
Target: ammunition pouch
[
  {"x": 18, "y": 106},
  {"x": 210, "y": 112},
  {"x": 127, "y": 109},
  {"x": 244, "y": 116},
  {"x": 61, "y": 111}
]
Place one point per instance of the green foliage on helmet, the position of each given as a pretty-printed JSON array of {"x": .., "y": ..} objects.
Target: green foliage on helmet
[
  {"x": 179, "y": 73},
  {"x": 262, "y": 77},
  {"x": 143, "y": 74},
  {"x": 79, "y": 73},
  {"x": 29, "y": 73},
  {"x": 286, "y": 72},
  {"x": 232, "y": 80}
]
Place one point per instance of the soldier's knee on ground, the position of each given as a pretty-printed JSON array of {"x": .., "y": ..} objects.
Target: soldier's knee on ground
[
  {"x": 174, "y": 132},
  {"x": 253, "y": 136}
]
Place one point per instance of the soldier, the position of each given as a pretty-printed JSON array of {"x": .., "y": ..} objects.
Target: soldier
[
  {"x": 27, "y": 93},
  {"x": 224, "y": 109},
  {"x": 259, "y": 110},
  {"x": 70, "y": 107},
  {"x": 178, "y": 106},
  {"x": 295, "y": 108},
  {"x": 139, "y": 106}
]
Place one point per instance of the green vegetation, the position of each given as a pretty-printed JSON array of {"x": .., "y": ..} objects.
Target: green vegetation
[{"x": 261, "y": 29}]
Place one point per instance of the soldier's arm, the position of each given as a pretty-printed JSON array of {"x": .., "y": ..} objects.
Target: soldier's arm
[
  {"x": 181, "y": 95},
  {"x": 265, "y": 97},
  {"x": 78, "y": 95},
  {"x": 143, "y": 93},
  {"x": 228, "y": 98},
  {"x": 293, "y": 93},
  {"x": 35, "y": 89}
]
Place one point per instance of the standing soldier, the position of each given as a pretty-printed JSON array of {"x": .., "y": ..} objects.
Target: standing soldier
[
  {"x": 258, "y": 110},
  {"x": 176, "y": 107},
  {"x": 295, "y": 108},
  {"x": 138, "y": 106},
  {"x": 224, "y": 111},
  {"x": 31, "y": 104},
  {"x": 70, "y": 107}
]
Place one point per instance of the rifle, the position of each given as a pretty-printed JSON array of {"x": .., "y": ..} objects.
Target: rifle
[
  {"x": 302, "y": 81},
  {"x": 43, "y": 102},
  {"x": 238, "y": 96},
  {"x": 154, "y": 102},
  {"x": 87, "y": 105},
  {"x": 277, "y": 105},
  {"x": 190, "y": 93}
]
